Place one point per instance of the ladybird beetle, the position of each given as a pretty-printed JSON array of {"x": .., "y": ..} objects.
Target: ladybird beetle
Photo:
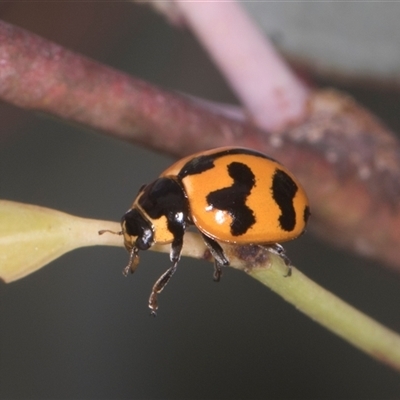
[{"x": 230, "y": 194}]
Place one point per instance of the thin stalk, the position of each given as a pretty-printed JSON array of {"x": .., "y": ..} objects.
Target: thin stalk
[
  {"x": 46, "y": 234},
  {"x": 333, "y": 313},
  {"x": 313, "y": 300}
]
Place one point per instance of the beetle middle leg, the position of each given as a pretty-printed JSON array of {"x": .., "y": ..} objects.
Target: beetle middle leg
[{"x": 220, "y": 259}]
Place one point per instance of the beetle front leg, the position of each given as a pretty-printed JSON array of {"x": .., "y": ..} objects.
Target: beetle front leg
[
  {"x": 158, "y": 288},
  {"x": 133, "y": 262},
  {"x": 175, "y": 255}
]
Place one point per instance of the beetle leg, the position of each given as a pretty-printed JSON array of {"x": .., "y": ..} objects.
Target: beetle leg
[
  {"x": 220, "y": 259},
  {"x": 159, "y": 286},
  {"x": 175, "y": 255},
  {"x": 277, "y": 249},
  {"x": 133, "y": 262},
  {"x": 217, "y": 271}
]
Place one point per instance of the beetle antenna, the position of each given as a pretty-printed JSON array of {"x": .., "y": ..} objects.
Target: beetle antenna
[{"x": 108, "y": 231}]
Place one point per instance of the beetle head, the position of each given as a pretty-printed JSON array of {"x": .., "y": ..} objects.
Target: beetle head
[{"x": 137, "y": 230}]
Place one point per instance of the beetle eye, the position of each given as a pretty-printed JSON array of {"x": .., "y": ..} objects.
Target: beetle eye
[
  {"x": 145, "y": 240},
  {"x": 131, "y": 225}
]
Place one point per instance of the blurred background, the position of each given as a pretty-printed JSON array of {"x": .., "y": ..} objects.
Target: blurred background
[{"x": 79, "y": 329}]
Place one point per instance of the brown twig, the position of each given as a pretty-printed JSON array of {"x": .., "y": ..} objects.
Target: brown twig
[
  {"x": 348, "y": 162},
  {"x": 40, "y": 75}
]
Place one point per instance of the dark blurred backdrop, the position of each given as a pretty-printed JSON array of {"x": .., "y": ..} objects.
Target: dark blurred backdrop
[{"x": 79, "y": 329}]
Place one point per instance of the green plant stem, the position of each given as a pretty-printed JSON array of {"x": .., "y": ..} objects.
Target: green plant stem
[
  {"x": 313, "y": 300},
  {"x": 46, "y": 234},
  {"x": 333, "y": 313}
]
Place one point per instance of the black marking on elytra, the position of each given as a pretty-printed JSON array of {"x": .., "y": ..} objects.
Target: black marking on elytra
[
  {"x": 283, "y": 191},
  {"x": 166, "y": 197},
  {"x": 196, "y": 165},
  {"x": 233, "y": 198},
  {"x": 306, "y": 214},
  {"x": 199, "y": 164}
]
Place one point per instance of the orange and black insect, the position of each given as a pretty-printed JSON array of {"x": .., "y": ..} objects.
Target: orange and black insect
[{"x": 231, "y": 194}]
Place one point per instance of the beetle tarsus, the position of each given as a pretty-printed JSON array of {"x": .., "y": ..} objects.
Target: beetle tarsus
[
  {"x": 217, "y": 271},
  {"x": 133, "y": 262},
  {"x": 289, "y": 271},
  {"x": 159, "y": 286}
]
